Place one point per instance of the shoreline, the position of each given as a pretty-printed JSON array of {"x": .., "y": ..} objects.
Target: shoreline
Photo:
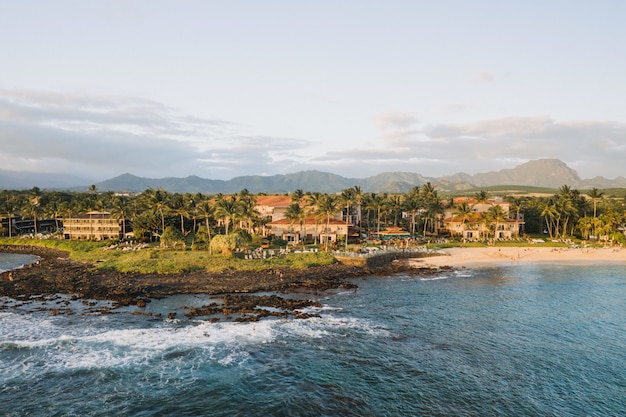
[
  {"x": 511, "y": 256},
  {"x": 56, "y": 273}
]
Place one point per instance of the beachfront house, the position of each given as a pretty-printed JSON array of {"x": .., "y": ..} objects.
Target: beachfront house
[
  {"x": 313, "y": 228},
  {"x": 95, "y": 225},
  {"x": 478, "y": 224}
]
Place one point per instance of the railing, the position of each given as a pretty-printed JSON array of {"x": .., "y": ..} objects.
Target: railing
[{"x": 380, "y": 252}]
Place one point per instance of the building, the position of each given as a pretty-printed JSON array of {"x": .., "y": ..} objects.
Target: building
[
  {"x": 272, "y": 206},
  {"x": 476, "y": 225},
  {"x": 95, "y": 225},
  {"x": 313, "y": 227}
]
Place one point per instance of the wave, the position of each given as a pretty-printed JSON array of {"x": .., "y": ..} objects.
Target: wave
[{"x": 62, "y": 344}]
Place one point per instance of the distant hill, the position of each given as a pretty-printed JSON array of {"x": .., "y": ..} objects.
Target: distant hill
[
  {"x": 545, "y": 173},
  {"x": 551, "y": 173}
]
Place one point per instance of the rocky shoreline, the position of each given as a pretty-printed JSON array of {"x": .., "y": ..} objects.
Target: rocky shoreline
[{"x": 55, "y": 273}]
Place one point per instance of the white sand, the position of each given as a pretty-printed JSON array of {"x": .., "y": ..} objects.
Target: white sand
[{"x": 469, "y": 257}]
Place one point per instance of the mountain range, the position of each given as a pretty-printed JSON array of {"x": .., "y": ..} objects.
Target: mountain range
[{"x": 545, "y": 173}]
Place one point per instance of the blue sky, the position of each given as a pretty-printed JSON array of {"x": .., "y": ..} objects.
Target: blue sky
[{"x": 221, "y": 89}]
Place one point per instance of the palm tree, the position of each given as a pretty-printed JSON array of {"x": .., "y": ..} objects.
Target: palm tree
[
  {"x": 297, "y": 196},
  {"x": 347, "y": 197},
  {"x": 376, "y": 202},
  {"x": 595, "y": 195},
  {"x": 179, "y": 206},
  {"x": 296, "y": 214},
  {"x": 464, "y": 211},
  {"x": 481, "y": 196},
  {"x": 207, "y": 210},
  {"x": 9, "y": 208},
  {"x": 496, "y": 215},
  {"x": 247, "y": 209},
  {"x": 358, "y": 201},
  {"x": 548, "y": 212},
  {"x": 121, "y": 210},
  {"x": 157, "y": 200},
  {"x": 313, "y": 201},
  {"x": 327, "y": 206},
  {"x": 412, "y": 204},
  {"x": 227, "y": 209}
]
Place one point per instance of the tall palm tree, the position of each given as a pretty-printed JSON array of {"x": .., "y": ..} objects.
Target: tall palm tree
[
  {"x": 412, "y": 204},
  {"x": 227, "y": 209},
  {"x": 157, "y": 200},
  {"x": 496, "y": 215},
  {"x": 313, "y": 201},
  {"x": 121, "y": 210},
  {"x": 464, "y": 211},
  {"x": 347, "y": 197},
  {"x": 358, "y": 201},
  {"x": 327, "y": 206},
  {"x": 297, "y": 214},
  {"x": 9, "y": 208},
  {"x": 207, "y": 210},
  {"x": 247, "y": 209},
  {"x": 595, "y": 195},
  {"x": 548, "y": 212},
  {"x": 376, "y": 202},
  {"x": 179, "y": 206}
]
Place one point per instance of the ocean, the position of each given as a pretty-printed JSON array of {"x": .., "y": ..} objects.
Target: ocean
[{"x": 542, "y": 340}]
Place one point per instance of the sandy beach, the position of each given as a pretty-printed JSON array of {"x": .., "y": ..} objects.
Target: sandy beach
[{"x": 474, "y": 257}]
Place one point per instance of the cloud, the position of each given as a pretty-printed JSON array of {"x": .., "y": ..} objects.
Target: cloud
[
  {"x": 105, "y": 136},
  {"x": 482, "y": 77},
  {"x": 482, "y": 146}
]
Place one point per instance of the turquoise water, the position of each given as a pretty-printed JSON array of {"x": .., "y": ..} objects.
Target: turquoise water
[{"x": 517, "y": 341}]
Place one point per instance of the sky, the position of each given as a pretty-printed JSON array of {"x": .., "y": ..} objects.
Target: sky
[{"x": 220, "y": 89}]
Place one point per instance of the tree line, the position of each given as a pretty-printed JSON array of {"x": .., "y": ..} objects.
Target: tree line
[{"x": 156, "y": 212}]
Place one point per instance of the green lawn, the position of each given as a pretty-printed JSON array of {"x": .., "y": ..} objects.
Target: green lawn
[{"x": 166, "y": 261}]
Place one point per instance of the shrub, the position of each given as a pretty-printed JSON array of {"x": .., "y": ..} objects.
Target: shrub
[
  {"x": 172, "y": 237},
  {"x": 226, "y": 244}
]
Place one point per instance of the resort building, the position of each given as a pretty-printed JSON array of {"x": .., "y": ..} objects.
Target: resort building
[
  {"x": 95, "y": 225},
  {"x": 313, "y": 228},
  {"x": 272, "y": 206},
  {"x": 477, "y": 224}
]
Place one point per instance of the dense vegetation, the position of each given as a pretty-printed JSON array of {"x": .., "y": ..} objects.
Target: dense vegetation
[{"x": 192, "y": 221}]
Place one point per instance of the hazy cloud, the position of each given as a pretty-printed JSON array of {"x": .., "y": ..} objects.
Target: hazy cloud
[
  {"x": 482, "y": 77},
  {"x": 106, "y": 136},
  {"x": 495, "y": 144}
]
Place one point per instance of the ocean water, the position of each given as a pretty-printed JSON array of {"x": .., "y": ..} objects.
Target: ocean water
[{"x": 516, "y": 341}]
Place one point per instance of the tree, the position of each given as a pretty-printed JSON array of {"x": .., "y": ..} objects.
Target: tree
[
  {"x": 327, "y": 206},
  {"x": 207, "y": 210},
  {"x": 376, "y": 202},
  {"x": 496, "y": 215},
  {"x": 464, "y": 211},
  {"x": 227, "y": 209},
  {"x": 121, "y": 210},
  {"x": 296, "y": 214},
  {"x": 347, "y": 197},
  {"x": 412, "y": 204},
  {"x": 172, "y": 237},
  {"x": 226, "y": 244},
  {"x": 179, "y": 206}
]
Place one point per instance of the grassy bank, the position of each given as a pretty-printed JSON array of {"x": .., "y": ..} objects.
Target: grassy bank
[{"x": 155, "y": 260}]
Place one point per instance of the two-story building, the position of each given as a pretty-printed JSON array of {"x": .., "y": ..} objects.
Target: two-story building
[
  {"x": 477, "y": 224},
  {"x": 313, "y": 228}
]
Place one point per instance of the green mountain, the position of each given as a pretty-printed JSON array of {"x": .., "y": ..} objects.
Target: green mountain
[{"x": 546, "y": 173}]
